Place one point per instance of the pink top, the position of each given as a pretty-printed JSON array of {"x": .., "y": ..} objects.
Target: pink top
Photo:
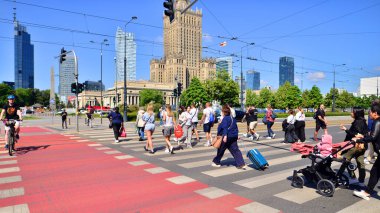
[
  {"x": 269, "y": 115},
  {"x": 325, "y": 146}
]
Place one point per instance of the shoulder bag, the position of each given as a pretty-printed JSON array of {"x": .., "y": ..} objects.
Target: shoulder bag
[{"x": 218, "y": 139}]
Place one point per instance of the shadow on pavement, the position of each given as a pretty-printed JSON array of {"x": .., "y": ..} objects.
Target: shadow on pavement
[{"x": 24, "y": 150}]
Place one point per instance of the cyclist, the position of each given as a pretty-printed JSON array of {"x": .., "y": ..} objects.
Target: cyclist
[{"x": 11, "y": 111}]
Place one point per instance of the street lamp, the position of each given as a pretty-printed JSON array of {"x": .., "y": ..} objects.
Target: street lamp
[
  {"x": 116, "y": 96},
  {"x": 125, "y": 66},
  {"x": 104, "y": 42},
  {"x": 333, "y": 103},
  {"x": 241, "y": 74}
]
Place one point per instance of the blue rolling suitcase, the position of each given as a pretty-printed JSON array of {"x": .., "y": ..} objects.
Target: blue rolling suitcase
[{"x": 258, "y": 161}]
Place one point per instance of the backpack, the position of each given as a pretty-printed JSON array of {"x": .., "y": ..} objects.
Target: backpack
[
  {"x": 315, "y": 115},
  {"x": 274, "y": 115},
  {"x": 212, "y": 117},
  {"x": 284, "y": 125}
]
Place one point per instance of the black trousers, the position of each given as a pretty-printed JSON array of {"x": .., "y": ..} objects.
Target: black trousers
[
  {"x": 116, "y": 130},
  {"x": 300, "y": 130},
  {"x": 64, "y": 123},
  {"x": 375, "y": 175}
]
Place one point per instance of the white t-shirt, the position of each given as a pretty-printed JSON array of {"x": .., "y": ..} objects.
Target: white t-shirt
[
  {"x": 291, "y": 119},
  {"x": 207, "y": 113},
  {"x": 233, "y": 113},
  {"x": 169, "y": 120},
  {"x": 194, "y": 115},
  {"x": 300, "y": 116}
]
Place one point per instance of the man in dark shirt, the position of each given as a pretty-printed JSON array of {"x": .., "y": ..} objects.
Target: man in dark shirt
[
  {"x": 11, "y": 111},
  {"x": 64, "y": 119},
  {"x": 320, "y": 121},
  {"x": 251, "y": 118}
]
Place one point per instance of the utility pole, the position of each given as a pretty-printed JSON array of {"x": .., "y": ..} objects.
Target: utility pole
[
  {"x": 241, "y": 75},
  {"x": 76, "y": 94},
  {"x": 333, "y": 103}
]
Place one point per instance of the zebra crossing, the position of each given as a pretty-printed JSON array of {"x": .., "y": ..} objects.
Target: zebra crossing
[{"x": 270, "y": 189}]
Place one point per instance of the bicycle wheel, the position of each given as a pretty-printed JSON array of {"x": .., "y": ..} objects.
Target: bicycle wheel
[{"x": 10, "y": 143}]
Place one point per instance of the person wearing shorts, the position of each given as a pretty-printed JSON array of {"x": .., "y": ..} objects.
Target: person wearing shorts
[
  {"x": 169, "y": 122},
  {"x": 148, "y": 118},
  {"x": 194, "y": 120},
  {"x": 320, "y": 121},
  {"x": 206, "y": 123},
  {"x": 11, "y": 111}
]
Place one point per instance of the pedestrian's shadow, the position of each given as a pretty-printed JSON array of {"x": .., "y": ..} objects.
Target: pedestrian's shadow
[{"x": 26, "y": 149}]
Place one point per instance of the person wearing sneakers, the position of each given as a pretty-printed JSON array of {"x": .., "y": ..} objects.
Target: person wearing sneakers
[
  {"x": 374, "y": 138},
  {"x": 140, "y": 124},
  {"x": 194, "y": 120},
  {"x": 11, "y": 111},
  {"x": 168, "y": 124},
  {"x": 270, "y": 121},
  {"x": 251, "y": 118},
  {"x": 320, "y": 121},
  {"x": 300, "y": 125},
  {"x": 208, "y": 120},
  {"x": 229, "y": 131},
  {"x": 117, "y": 122},
  {"x": 148, "y": 118}
]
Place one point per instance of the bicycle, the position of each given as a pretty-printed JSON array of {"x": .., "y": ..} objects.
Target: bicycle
[{"x": 11, "y": 135}]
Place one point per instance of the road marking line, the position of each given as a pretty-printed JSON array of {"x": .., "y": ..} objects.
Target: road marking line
[
  {"x": 102, "y": 148},
  {"x": 138, "y": 163},
  {"x": 367, "y": 206},
  {"x": 299, "y": 196},
  {"x": 10, "y": 169},
  {"x": 122, "y": 157},
  {"x": 21, "y": 208},
  {"x": 112, "y": 152},
  {"x": 212, "y": 192},
  {"x": 8, "y": 162},
  {"x": 11, "y": 192},
  {"x": 156, "y": 170},
  {"x": 82, "y": 140},
  {"x": 256, "y": 207},
  {"x": 95, "y": 144},
  {"x": 10, "y": 179},
  {"x": 74, "y": 137},
  {"x": 180, "y": 180},
  {"x": 7, "y": 156}
]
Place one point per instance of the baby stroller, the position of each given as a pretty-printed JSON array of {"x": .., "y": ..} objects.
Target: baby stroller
[{"x": 320, "y": 172}]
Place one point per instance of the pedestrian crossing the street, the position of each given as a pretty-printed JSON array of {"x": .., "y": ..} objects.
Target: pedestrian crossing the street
[{"x": 195, "y": 163}]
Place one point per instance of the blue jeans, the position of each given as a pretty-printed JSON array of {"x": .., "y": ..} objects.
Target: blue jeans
[
  {"x": 141, "y": 132},
  {"x": 269, "y": 128},
  {"x": 232, "y": 146}
]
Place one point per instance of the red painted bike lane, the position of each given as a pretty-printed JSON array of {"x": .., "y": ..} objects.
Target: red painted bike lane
[{"x": 56, "y": 173}]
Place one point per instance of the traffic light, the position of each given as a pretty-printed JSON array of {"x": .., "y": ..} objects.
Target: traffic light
[
  {"x": 74, "y": 88},
  {"x": 118, "y": 97},
  {"x": 169, "y": 5},
  {"x": 80, "y": 88},
  {"x": 179, "y": 89},
  {"x": 62, "y": 56},
  {"x": 175, "y": 92}
]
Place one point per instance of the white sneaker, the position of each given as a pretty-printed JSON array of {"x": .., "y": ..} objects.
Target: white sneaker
[
  {"x": 251, "y": 138},
  {"x": 116, "y": 141},
  {"x": 215, "y": 165},
  {"x": 361, "y": 194},
  {"x": 366, "y": 161},
  {"x": 167, "y": 150},
  {"x": 245, "y": 134},
  {"x": 268, "y": 138},
  {"x": 273, "y": 136},
  {"x": 207, "y": 143},
  {"x": 257, "y": 136}
]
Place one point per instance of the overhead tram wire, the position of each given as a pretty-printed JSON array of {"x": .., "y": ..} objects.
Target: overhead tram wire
[{"x": 217, "y": 20}]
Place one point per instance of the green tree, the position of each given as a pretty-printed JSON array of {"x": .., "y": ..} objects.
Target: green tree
[
  {"x": 266, "y": 97},
  {"x": 69, "y": 104},
  {"x": 42, "y": 97},
  {"x": 288, "y": 96},
  {"x": 315, "y": 97},
  {"x": 345, "y": 100},
  {"x": 329, "y": 97},
  {"x": 150, "y": 95},
  {"x": 195, "y": 93},
  {"x": 223, "y": 89},
  {"x": 305, "y": 99},
  {"x": 25, "y": 97},
  {"x": 252, "y": 99},
  {"x": 5, "y": 90}
]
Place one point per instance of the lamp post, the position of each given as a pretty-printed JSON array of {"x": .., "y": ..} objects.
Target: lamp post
[
  {"x": 125, "y": 67},
  {"x": 104, "y": 42},
  {"x": 241, "y": 75},
  {"x": 116, "y": 96},
  {"x": 333, "y": 103}
]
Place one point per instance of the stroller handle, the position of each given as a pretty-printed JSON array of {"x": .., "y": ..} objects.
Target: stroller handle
[{"x": 351, "y": 142}]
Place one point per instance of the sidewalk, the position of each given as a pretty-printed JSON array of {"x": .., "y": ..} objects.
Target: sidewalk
[{"x": 64, "y": 173}]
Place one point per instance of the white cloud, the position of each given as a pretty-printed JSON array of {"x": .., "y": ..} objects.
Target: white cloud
[
  {"x": 316, "y": 76},
  {"x": 207, "y": 38},
  {"x": 263, "y": 83},
  {"x": 297, "y": 80}
]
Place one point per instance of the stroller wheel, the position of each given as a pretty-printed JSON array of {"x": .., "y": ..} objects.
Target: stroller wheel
[
  {"x": 352, "y": 167},
  {"x": 325, "y": 188},
  {"x": 298, "y": 181},
  {"x": 343, "y": 180}
]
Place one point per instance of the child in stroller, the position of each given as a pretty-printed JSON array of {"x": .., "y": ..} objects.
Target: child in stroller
[{"x": 320, "y": 171}]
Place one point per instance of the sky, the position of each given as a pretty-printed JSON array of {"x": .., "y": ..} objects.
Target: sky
[{"x": 320, "y": 35}]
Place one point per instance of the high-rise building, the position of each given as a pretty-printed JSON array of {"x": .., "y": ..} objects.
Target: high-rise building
[
  {"x": 24, "y": 57},
  {"x": 182, "y": 50},
  {"x": 253, "y": 80},
  {"x": 125, "y": 45},
  {"x": 369, "y": 86},
  {"x": 239, "y": 81},
  {"x": 93, "y": 86},
  {"x": 66, "y": 77},
  {"x": 286, "y": 70},
  {"x": 224, "y": 63}
]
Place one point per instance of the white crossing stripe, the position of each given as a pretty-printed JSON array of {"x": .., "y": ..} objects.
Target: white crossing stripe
[
  {"x": 8, "y": 162},
  {"x": 10, "y": 179},
  {"x": 6, "y": 156},
  {"x": 10, "y": 169},
  {"x": 74, "y": 137},
  {"x": 180, "y": 179},
  {"x": 112, "y": 152},
  {"x": 102, "y": 148},
  {"x": 299, "y": 196},
  {"x": 122, "y": 157},
  {"x": 138, "y": 163},
  {"x": 212, "y": 192},
  {"x": 367, "y": 206},
  {"x": 95, "y": 144},
  {"x": 83, "y": 140},
  {"x": 156, "y": 170},
  {"x": 11, "y": 192},
  {"x": 256, "y": 207},
  {"x": 21, "y": 208}
]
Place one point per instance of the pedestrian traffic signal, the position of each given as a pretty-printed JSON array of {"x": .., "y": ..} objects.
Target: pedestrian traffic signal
[
  {"x": 62, "y": 56},
  {"x": 118, "y": 97},
  {"x": 80, "y": 88},
  {"x": 179, "y": 89},
  {"x": 169, "y": 5},
  {"x": 74, "y": 88},
  {"x": 175, "y": 92}
]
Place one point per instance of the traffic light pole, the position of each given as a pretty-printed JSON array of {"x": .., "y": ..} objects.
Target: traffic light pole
[{"x": 76, "y": 94}]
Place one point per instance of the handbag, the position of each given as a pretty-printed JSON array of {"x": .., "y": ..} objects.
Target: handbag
[
  {"x": 217, "y": 141},
  {"x": 178, "y": 132},
  {"x": 122, "y": 132},
  {"x": 265, "y": 120}
]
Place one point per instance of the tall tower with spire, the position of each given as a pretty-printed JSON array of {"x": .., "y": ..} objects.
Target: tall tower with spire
[
  {"x": 24, "y": 56},
  {"x": 182, "y": 49}
]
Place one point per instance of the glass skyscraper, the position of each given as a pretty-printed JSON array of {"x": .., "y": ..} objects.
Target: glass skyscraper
[
  {"x": 66, "y": 77},
  {"x": 224, "y": 63},
  {"x": 286, "y": 70},
  {"x": 125, "y": 44},
  {"x": 24, "y": 58},
  {"x": 253, "y": 80}
]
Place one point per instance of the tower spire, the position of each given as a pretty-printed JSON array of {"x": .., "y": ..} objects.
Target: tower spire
[{"x": 14, "y": 14}]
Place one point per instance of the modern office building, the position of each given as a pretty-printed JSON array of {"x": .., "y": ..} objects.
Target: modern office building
[
  {"x": 125, "y": 45},
  {"x": 369, "y": 86},
  {"x": 93, "y": 86},
  {"x": 224, "y": 63},
  {"x": 239, "y": 81},
  {"x": 24, "y": 57},
  {"x": 182, "y": 50},
  {"x": 253, "y": 80},
  {"x": 66, "y": 77},
  {"x": 286, "y": 70}
]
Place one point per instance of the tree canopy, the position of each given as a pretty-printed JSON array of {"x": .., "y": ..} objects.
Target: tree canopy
[
  {"x": 195, "y": 93},
  {"x": 150, "y": 95}
]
